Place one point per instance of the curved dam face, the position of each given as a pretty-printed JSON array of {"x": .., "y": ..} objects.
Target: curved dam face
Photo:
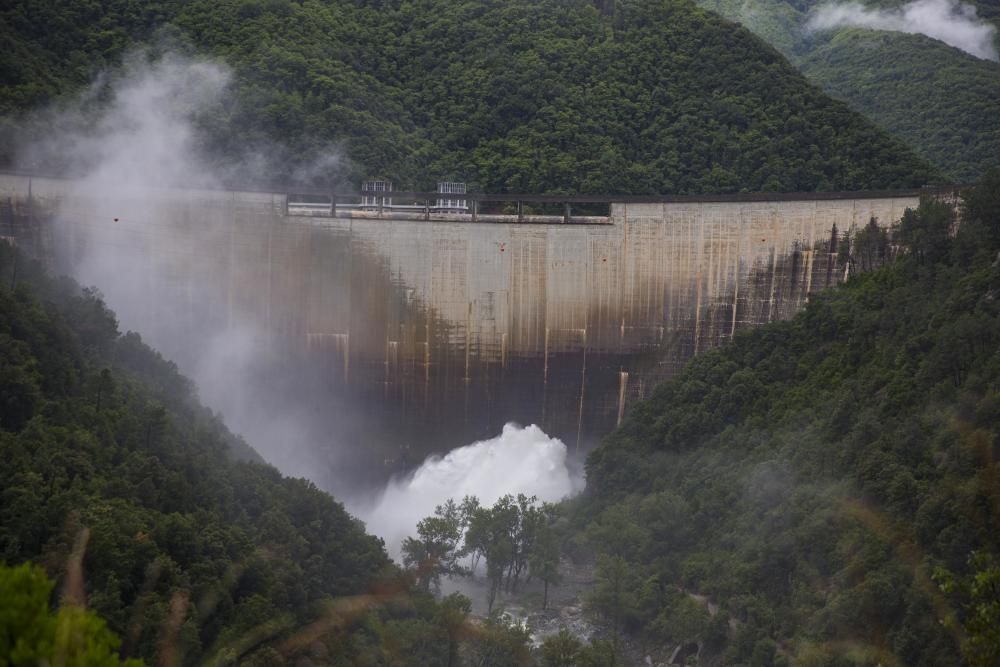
[{"x": 380, "y": 341}]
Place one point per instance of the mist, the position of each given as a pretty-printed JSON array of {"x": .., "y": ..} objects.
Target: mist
[
  {"x": 127, "y": 141},
  {"x": 132, "y": 130},
  {"x": 519, "y": 460},
  {"x": 950, "y": 21}
]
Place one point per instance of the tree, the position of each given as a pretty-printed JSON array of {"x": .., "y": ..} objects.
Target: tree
[
  {"x": 468, "y": 509},
  {"x": 613, "y": 596},
  {"x": 105, "y": 385},
  {"x": 30, "y": 634},
  {"x": 983, "y": 624},
  {"x": 491, "y": 534},
  {"x": 530, "y": 519},
  {"x": 871, "y": 246},
  {"x": 544, "y": 559},
  {"x": 435, "y": 552},
  {"x": 501, "y": 642},
  {"x": 20, "y": 393},
  {"x": 561, "y": 650},
  {"x": 980, "y": 217},
  {"x": 451, "y": 615},
  {"x": 157, "y": 421},
  {"x": 980, "y": 591},
  {"x": 926, "y": 230},
  {"x": 506, "y": 535}
]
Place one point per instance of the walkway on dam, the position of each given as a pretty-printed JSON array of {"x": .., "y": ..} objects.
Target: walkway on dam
[
  {"x": 538, "y": 208},
  {"x": 501, "y": 208}
]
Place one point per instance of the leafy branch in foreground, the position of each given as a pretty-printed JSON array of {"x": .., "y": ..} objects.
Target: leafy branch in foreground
[{"x": 32, "y": 634}]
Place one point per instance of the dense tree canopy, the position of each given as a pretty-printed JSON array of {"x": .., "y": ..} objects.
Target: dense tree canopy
[
  {"x": 512, "y": 95},
  {"x": 944, "y": 103}
]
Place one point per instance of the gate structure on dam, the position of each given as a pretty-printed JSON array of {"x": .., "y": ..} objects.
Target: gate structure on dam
[{"x": 440, "y": 325}]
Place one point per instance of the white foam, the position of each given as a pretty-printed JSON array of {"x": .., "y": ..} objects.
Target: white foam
[{"x": 519, "y": 460}]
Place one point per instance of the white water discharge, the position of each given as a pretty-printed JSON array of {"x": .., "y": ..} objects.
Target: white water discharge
[
  {"x": 954, "y": 23},
  {"x": 519, "y": 460}
]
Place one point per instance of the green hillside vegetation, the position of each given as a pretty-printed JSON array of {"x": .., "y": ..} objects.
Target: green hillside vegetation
[
  {"x": 988, "y": 9},
  {"x": 942, "y": 102},
  {"x": 140, "y": 504},
  {"x": 512, "y": 95},
  {"x": 831, "y": 483},
  {"x": 31, "y": 634},
  {"x": 955, "y": 124}
]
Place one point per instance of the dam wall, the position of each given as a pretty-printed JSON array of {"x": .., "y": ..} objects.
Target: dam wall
[{"x": 442, "y": 331}]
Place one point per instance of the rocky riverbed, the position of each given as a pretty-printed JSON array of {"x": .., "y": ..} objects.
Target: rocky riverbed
[{"x": 565, "y": 609}]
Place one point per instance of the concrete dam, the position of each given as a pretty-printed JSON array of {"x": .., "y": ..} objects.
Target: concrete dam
[{"x": 419, "y": 335}]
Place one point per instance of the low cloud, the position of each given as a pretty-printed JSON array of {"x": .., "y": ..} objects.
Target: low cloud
[
  {"x": 124, "y": 139},
  {"x": 954, "y": 23}
]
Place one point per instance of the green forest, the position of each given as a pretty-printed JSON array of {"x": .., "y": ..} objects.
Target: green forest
[
  {"x": 831, "y": 482},
  {"x": 819, "y": 492},
  {"x": 560, "y": 96},
  {"x": 942, "y": 102},
  {"x": 958, "y": 124}
]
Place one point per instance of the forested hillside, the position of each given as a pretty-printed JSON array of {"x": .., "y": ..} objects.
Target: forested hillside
[
  {"x": 830, "y": 484},
  {"x": 636, "y": 96},
  {"x": 942, "y": 102},
  {"x": 141, "y": 505}
]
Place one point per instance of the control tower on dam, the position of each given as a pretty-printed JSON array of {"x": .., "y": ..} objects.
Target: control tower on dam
[{"x": 434, "y": 332}]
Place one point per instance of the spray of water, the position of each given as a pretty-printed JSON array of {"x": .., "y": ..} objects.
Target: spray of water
[
  {"x": 125, "y": 140},
  {"x": 519, "y": 460}
]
